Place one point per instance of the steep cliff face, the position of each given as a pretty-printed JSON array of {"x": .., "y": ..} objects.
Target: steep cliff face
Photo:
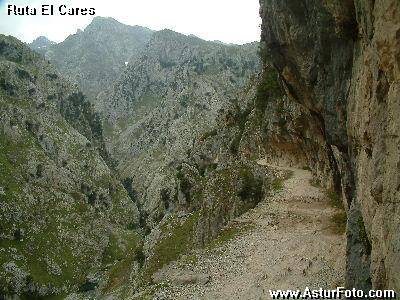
[
  {"x": 373, "y": 129},
  {"x": 339, "y": 60},
  {"x": 64, "y": 216},
  {"x": 95, "y": 57}
]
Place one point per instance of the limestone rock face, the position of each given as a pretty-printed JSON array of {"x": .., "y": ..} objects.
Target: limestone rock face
[
  {"x": 60, "y": 205},
  {"x": 95, "y": 57},
  {"x": 374, "y": 106},
  {"x": 340, "y": 61},
  {"x": 164, "y": 102}
]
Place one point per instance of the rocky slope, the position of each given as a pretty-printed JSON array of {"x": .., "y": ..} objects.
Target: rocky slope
[
  {"x": 164, "y": 102},
  {"x": 66, "y": 222},
  {"x": 95, "y": 57},
  {"x": 338, "y": 62}
]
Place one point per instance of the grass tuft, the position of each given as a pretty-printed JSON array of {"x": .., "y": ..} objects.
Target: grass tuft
[
  {"x": 335, "y": 199},
  {"x": 277, "y": 184},
  {"x": 340, "y": 220}
]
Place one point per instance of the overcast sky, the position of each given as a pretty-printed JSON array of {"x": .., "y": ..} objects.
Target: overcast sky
[{"x": 230, "y": 21}]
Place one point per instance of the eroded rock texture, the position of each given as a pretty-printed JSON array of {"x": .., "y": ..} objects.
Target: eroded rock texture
[{"x": 339, "y": 60}]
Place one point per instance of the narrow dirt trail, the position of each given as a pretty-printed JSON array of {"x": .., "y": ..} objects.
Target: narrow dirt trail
[{"x": 291, "y": 245}]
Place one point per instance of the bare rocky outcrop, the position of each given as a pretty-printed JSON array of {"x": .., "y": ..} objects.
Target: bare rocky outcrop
[{"x": 340, "y": 61}]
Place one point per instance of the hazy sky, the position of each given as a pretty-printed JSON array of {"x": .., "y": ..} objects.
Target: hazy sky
[{"x": 230, "y": 21}]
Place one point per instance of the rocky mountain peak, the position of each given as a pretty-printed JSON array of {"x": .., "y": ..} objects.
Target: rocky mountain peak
[
  {"x": 41, "y": 41},
  {"x": 41, "y": 44},
  {"x": 102, "y": 25}
]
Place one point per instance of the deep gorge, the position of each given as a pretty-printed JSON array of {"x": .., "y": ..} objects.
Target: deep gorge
[{"x": 119, "y": 158}]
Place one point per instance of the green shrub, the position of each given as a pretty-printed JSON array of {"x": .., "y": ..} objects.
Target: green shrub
[
  {"x": 209, "y": 134},
  {"x": 7, "y": 87},
  {"x": 235, "y": 143},
  {"x": 268, "y": 87},
  {"x": 252, "y": 187},
  {"x": 22, "y": 74}
]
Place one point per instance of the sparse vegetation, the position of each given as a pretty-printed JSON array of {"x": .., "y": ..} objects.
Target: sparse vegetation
[
  {"x": 315, "y": 183},
  {"x": 124, "y": 248},
  {"x": 190, "y": 259},
  {"x": 241, "y": 118},
  {"x": 177, "y": 239},
  {"x": 339, "y": 219},
  {"x": 229, "y": 233},
  {"x": 268, "y": 87}
]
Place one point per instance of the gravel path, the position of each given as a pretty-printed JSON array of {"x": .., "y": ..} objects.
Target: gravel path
[{"x": 291, "y": 245}]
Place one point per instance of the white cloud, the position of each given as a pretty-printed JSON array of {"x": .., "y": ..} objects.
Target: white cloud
[{"x": 231, "y": 21}]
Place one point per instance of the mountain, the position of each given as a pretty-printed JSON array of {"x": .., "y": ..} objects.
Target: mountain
[
  {"x": 66, "y": 220},
  {"x": 95, "y": 57},
  {"x": 166, "y": 99},
  {"x": 41, "y": 44}
]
